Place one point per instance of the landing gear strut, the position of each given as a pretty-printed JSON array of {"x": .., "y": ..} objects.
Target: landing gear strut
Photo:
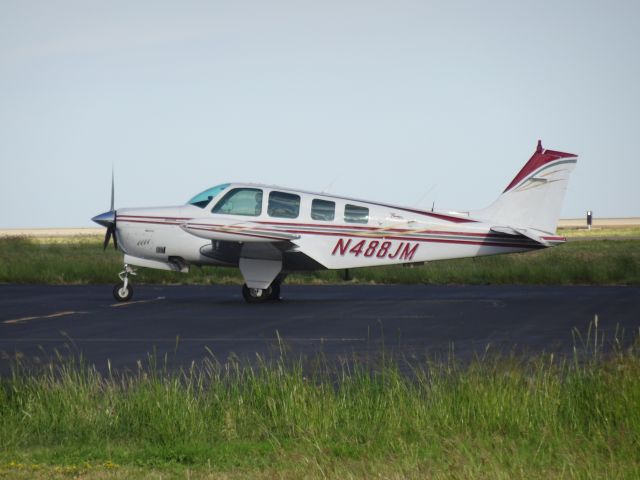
[{"x": 123, "y": 291}]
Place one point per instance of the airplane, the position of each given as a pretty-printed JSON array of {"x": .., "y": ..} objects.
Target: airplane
[{"x": 269, "y": 231}]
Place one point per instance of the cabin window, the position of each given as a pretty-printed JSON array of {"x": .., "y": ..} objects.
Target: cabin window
[
  {"x": 283, "y": 205},
  {"x": 323, "y": 210},
  {"x": 240, "y": 201},
  {"x": 203, "y": 199},
  {"x": 355, "y": 214}
]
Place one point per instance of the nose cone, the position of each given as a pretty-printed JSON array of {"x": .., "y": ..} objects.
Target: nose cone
[{"x": 105, "y": 219}]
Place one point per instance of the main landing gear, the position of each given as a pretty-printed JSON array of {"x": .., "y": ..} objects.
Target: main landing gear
[
  {"x": 261, "y": 295},
  {"x": 261, "y": 267},
  {"x": 123, "y": 291}
]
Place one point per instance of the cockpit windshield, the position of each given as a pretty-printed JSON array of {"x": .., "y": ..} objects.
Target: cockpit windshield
[{"x": 202, "y": 199}]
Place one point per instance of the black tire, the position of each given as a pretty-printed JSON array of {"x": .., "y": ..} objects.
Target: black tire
[
  {"x": 251, "y": 294},
  {"x": 275, "y": 292},
  {"x": 122, "y": 295}
]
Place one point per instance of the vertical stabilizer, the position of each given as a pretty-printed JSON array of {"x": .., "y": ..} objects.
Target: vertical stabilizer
[{"x": 534, "y": 197}]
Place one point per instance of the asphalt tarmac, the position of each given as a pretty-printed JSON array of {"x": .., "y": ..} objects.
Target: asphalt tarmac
[{"x": 189, "y": 323}]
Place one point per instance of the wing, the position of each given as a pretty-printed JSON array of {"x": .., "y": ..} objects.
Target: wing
[{"x": 238, "y": 232}]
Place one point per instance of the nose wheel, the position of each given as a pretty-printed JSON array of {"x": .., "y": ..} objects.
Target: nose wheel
[{"x": 123, "y": 291}]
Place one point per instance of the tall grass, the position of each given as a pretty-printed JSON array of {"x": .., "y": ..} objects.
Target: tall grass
[
  {"x": 497, "y": 416},
  {"x": 25, "y": 260}
]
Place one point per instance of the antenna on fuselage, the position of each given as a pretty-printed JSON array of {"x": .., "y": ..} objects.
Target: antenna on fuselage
[
  {"x": 424, "y": 195},
  {"x": 326, "y": 189}
]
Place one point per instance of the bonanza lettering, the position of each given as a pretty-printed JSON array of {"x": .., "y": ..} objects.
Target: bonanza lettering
[{"x": 375, "y": 248}]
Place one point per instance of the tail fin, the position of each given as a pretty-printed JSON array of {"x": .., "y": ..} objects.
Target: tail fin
[{"x": 534, "y": 197}]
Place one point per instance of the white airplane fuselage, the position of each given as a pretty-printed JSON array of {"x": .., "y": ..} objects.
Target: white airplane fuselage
[
  {"x": 390, "y": 236},
  {"x": 268, "y": 231}
]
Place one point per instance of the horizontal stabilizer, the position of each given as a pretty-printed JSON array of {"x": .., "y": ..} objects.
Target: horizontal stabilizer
[{"x": 535, "y": 235}]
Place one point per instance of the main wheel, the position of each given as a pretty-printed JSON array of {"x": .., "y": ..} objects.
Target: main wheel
[
  {"x": 122, "y": 294},
  {"x": 256, "y": 295},
  {"x": 275, "y": 291}
]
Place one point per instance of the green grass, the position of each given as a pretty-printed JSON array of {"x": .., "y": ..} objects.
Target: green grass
[
  {"x": 81, "y": 260},
  {"x": 497, "y": 417},
  {"x": 583, "y": 233}
]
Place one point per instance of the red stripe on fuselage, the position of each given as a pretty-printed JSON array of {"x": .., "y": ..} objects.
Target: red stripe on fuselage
[
  {"x": 440, "y": 216},
  {"x": 380, "y": 233},
  {"x": 491, "y": 243},
  {"x": 383, "y": 229},
  {"x": 156, "y": 217},
  {"x": 153, "y": 222},
  {"x": 531, "y": 245},
  {"x": 375, "y": 233}
]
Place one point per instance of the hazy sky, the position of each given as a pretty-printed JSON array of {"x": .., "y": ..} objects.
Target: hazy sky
[{"x": 399, "y": 101}]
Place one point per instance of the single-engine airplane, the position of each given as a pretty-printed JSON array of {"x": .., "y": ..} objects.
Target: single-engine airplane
[{"x": 268, "y": 231}]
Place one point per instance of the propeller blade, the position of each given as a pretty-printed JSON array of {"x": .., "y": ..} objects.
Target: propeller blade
[
  {"x": 115, "y": 238},
  {"x": 108, "y": 219},
  {"x": 112, "y": 190},
  {"x": 107, "y": 237}
]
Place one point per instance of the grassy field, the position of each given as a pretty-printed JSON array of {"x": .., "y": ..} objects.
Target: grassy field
[
  {"x": 498, "y": 417},
  {"x": 81, "y": 260},
  {"x": 600, "y": 232}
]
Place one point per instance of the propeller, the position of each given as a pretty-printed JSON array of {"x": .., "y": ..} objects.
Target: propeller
[
  {"x": 111, "y": 231},
  {"x": 108, "y": 219}
]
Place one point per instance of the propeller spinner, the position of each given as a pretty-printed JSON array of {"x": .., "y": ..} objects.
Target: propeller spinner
[{"x": 108, "y": 219}]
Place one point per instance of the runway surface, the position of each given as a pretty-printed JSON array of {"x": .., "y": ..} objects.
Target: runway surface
[{"x": 189, "y": 322}]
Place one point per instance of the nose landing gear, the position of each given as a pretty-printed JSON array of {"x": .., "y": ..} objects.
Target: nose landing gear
[{"x": 123, "y": 291}]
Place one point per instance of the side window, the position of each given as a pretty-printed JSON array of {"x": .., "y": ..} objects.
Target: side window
[
  {"x": 240, "y": 201},
  {"x": 283, "y": 205},
  {"x": 323, "y": 210},
  {"x": 355, "y": 214}
]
